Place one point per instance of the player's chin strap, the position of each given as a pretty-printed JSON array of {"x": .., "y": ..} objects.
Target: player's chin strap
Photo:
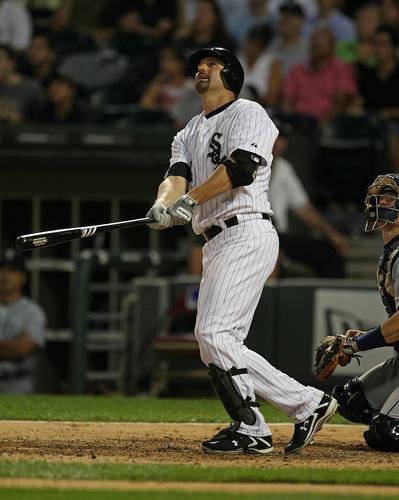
[{"x": 237, "y": 407}]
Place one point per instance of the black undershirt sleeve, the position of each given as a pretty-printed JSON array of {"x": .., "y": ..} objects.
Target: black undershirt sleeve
[{"x": 180, "y": 169}]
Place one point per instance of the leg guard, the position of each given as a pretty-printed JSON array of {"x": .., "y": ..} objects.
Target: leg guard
[
  {"x": 383, "y": 434},
  {"x": 353, "y": 404},
  {"x": 237, "y": 407}
]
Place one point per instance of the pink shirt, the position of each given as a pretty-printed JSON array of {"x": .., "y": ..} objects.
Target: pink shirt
[{"x": 312, "y": 92}]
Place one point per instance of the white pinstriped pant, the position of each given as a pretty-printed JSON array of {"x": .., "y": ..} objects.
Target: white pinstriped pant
[{"x": 236, "y": 265}]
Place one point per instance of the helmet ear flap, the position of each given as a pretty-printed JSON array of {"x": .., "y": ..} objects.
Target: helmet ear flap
[{"x": 231, "y": 79}]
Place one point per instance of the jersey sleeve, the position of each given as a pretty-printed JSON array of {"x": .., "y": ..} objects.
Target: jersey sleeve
[
  {"x": 253, "y": 131},
  {"x": 180, "y": 161}
]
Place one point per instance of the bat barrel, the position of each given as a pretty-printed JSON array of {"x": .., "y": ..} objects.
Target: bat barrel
[{"x": 58, "y": 236}]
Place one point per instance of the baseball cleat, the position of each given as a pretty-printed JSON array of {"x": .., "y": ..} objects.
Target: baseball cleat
[
  {"x": 229, "y": 441},
  {"x": 305, "y": 431}
]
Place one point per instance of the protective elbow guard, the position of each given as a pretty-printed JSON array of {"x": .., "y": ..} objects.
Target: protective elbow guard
[{"x": 242, "y": 171}]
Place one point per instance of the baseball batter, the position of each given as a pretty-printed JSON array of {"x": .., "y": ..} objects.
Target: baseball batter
[
  {"x": 218, "y": 178},
  {"x": 373, "y": 398}
]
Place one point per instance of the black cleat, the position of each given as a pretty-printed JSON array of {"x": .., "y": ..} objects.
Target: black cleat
[
  {"x": 304, "y": 431},
  {"x": 230, "y": 441}
]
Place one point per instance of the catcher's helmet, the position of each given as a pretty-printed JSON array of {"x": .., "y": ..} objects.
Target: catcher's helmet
[
  {"x": 232, "y": 74},
  {"x": 387, "y": 187}
]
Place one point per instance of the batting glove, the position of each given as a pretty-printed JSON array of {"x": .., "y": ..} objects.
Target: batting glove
[
  {"x": 182, "y": 210},
  {"x": 162, "y": 219}
]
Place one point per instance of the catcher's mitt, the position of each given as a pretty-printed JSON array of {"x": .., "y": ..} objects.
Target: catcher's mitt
[{"x": 330, "y": 353}]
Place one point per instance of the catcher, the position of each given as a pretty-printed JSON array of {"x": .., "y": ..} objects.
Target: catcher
[{"x": 373, "y": 398}]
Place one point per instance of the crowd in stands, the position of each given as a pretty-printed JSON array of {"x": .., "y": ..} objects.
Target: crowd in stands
[
  {"x": 307, "y": 57},
  {"x": 81, "y": 61}
]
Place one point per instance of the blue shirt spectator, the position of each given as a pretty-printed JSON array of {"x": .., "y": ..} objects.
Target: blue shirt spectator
[{"x": 341, "y": 25}]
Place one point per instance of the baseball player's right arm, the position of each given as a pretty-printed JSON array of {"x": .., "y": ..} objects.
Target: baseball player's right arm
[
  {"x": 169, "y": 191},
  {"x": 174, "y": 185}
]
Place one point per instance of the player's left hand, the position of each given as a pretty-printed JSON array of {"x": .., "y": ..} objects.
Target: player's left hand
[
  {"x": 332, "y": 351},
  {"x": 182, "y": 210}
]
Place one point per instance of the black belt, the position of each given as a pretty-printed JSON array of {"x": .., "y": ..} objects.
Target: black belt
[{"x": 213, "y": 231}]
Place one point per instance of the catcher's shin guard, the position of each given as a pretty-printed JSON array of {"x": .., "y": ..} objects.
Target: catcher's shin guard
[
  {"x": 353, "y": 404},
  {"x": 383, "y": 433},
  {"x": 237, "y": 407}
]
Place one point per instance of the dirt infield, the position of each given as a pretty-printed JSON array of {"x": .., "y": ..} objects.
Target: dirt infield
[{"x": 335, "y": 447}]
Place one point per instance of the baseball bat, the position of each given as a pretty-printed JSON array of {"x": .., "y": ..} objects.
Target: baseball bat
[{"x": 49, "y": 238}]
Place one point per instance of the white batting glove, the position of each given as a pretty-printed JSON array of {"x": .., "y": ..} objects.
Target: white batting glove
[
  {"x": 162, "y": 220},
  {"x": 182, "y": 210}
]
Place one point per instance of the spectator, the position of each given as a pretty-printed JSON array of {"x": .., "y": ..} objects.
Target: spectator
[
  {"x": 15, "y": 25},
  {"x": 169, "y": 86},
  {"x": 63, "y": 105},
  {"x": 40, "y": 59},
  {"x": 323, "y": 87},
  {"x": 361, "y": 50},
  {"x": 323, "y": 255},
  {"x": 390, "y": 14},
  {"x": 310, "y": 7},
  {"x": 20, "y": 98},
  {"x": 378, "y": 87},
  {"x": 84, "y": 17},
  {"x": 129, "y": 38},
  {"x": 22, "y": 324},
  {"x": 157, "y": 17},
  {"x": 207, "y": 29},
  {"x": 289, "y": 46},
  {"x": 330, "y": 17},
  {"x": 262, "y": 71},
  {"x": 257, "y": 15}
]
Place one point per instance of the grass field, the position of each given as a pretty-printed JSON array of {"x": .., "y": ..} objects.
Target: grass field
[
  {"x": 120, "y": 409},
  {"x": 164, "y": 472},
  {"x": 51, "y": 494}
]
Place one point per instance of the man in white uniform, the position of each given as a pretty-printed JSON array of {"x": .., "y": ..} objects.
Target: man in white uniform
[{"x": 218, "y": 178}]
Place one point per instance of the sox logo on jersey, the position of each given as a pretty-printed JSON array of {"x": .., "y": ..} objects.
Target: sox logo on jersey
[{"x": 216, "y": 148}]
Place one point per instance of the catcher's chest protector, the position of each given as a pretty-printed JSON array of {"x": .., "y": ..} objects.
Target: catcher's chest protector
[
  {"x": 384, "y": 275},
  {"x": 385, "y": 280}
]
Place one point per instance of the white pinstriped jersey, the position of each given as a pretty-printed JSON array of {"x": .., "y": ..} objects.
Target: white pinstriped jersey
[{"x": 208, "y": 140}]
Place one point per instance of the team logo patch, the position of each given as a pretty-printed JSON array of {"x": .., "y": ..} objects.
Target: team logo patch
[{"x": 215, "y": 150}]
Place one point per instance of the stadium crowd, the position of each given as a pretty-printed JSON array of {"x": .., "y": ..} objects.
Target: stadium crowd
[{"x": 78, "y": 61}]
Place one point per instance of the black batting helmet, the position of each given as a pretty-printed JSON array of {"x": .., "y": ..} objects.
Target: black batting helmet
[{"x": 232, "y": 74}]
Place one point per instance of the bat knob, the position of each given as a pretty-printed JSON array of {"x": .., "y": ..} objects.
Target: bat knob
[{"x": 20, "y": 243}]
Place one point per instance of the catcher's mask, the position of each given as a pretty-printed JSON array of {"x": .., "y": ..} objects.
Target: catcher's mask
[{"x": 384, "y": 187}]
